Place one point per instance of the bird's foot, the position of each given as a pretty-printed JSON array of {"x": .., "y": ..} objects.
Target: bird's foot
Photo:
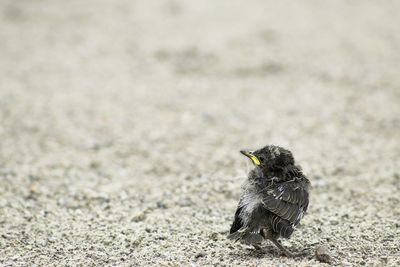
[
  {"x": 257, "y": 247},
  {"x": 286, "y": 251}
]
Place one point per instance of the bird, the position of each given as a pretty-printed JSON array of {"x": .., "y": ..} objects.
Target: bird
[{"x": 275, "y": 197}]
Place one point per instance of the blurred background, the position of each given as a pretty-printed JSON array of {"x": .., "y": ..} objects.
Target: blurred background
[{"x": 121, "y": 122}]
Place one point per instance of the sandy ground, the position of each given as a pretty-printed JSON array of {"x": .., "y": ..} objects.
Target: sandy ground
[{"x": 121, "y": 123}]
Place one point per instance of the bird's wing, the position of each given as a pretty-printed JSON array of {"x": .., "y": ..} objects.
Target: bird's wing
[{"x": 288, "y": 200}]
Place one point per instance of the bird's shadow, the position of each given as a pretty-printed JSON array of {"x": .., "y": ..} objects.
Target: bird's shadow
[{"x": 270, "y": 251}]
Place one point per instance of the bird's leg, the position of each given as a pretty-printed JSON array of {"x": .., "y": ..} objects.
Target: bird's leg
[
  {"x": 284, "y": 250},
  {"x": 272, "y": 237}
]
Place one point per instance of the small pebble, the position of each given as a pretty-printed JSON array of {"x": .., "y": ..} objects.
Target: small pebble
[
  {"x": 200, "y": 254},
  {"x": 334, "y": 221},
  {"x": 322, "y": 254},
  {"x": 204, "y": 197},
  {"x": 186, "y": 202},
  {"x": 138, "y": 217},
  {"x": 161, "y": 205},
  {"x": 214, "y": 236}
]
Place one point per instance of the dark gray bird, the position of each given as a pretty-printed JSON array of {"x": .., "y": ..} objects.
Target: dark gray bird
[{"x": 274, "y": 198}]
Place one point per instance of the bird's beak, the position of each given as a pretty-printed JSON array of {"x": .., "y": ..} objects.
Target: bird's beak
[{"x": 250, "y": 154}]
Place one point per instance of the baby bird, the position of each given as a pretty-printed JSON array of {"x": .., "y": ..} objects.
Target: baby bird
[{"x": 274, "y": 198}]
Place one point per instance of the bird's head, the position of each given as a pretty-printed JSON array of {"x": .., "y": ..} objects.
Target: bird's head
[{"x": 270, "y": 158}]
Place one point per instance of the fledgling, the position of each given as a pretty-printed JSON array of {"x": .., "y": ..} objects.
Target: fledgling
[{"x": 274, "y": 198}]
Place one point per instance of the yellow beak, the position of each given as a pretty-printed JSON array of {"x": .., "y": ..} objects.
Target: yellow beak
[{"x": 250, "y": 154}]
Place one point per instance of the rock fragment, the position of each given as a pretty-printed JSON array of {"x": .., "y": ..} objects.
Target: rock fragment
[{"x": 322, "y": 254}]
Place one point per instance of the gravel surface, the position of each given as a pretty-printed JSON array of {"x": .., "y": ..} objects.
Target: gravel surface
[{"x": 121, "y": 122}]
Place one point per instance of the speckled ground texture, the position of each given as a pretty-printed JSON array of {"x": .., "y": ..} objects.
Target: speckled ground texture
[{"x": 121, "y": 123}]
